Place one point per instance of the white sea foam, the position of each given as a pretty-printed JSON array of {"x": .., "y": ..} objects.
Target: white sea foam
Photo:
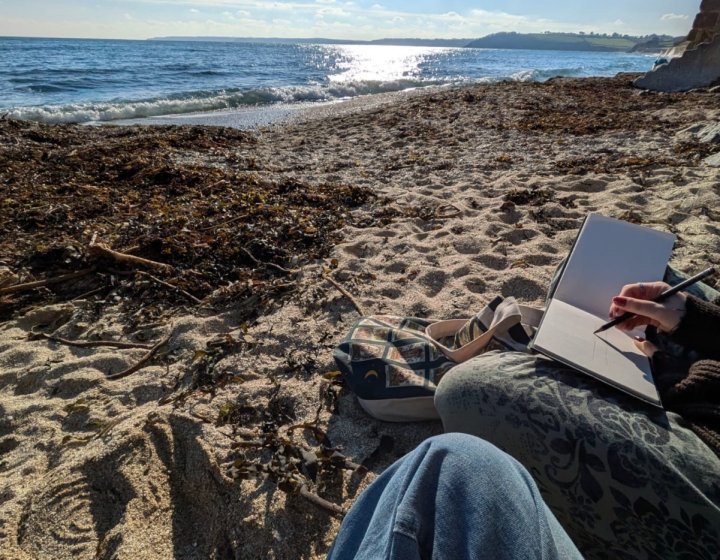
[
  {"x": 233, "y": 99},
  {"x": 204, "y": 101}
]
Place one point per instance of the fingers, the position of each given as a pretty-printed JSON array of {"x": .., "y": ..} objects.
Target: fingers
[
  {"x": 666, "y": 315},
  {"x": 645, "y": 346},
  {"x": 644, "y": 290},
  {"x": 645, "y": 308},
  {"x": 641, "y": 290}
]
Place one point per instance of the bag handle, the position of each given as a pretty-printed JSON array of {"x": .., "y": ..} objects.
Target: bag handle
[{"x": 521, "y": 314}]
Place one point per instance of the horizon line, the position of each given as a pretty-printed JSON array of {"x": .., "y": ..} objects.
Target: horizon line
[{"x": 180, "y": 37}]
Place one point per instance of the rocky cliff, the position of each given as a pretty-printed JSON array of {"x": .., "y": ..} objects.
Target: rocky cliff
[
  {"x": 699, "y": 66},
  {"x": 706, "y": 25}
]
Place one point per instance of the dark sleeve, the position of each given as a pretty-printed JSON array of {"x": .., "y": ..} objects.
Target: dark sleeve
[
  {"x": 699, "y": 328},
  {"x": 693, "y": 393}
]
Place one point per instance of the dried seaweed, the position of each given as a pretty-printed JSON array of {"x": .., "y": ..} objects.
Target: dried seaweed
[
  {"x": 533, "y": 197},
  {"x": 293, "y": 467},
  {"x": 180, "y": 197}
]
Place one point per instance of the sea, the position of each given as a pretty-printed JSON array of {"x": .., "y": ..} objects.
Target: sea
[{"x": 100, "y": 81}]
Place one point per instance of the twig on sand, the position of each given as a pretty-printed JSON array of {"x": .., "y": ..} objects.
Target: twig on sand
[
  {"x": 139, "y": 365},
  {"x": 106, "y": 251},
  {"x": 320, "y": 502},
  {"x": 90, "y": 293},
  {"x": 344, "y": 292},
  {"x": 225, "y": 224},
  {"x": 92, "y": 343},
  {"x": 45, "y": 282},
  {"x": 168, "y": 285},
  {"x": 269, "y": 264}
]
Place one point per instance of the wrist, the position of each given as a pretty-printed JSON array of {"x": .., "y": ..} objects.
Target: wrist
[{"x": 675, "y": 309}]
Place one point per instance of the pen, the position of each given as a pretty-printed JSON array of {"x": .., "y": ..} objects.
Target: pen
[{"x": 662, "y": 297}]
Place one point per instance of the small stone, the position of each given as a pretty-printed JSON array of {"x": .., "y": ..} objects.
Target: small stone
[
  {"x": 8, "y": 277},
  {"x": 713, "y": 161},
  {"x": 710, "y": 133}
]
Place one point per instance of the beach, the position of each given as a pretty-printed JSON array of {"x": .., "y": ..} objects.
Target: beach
[{"x": 223, "y": 430}]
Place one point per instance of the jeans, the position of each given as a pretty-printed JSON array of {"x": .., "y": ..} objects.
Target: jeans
[{"x": 454, "y": 497}]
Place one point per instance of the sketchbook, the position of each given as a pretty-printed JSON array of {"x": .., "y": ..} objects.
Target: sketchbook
[{"x": 607, "y": 254}]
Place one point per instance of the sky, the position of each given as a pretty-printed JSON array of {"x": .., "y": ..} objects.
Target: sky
[{"x": 339, "y": 19}]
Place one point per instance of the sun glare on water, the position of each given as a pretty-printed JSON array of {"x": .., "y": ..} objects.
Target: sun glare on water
[{"x": 368, "y": 63}]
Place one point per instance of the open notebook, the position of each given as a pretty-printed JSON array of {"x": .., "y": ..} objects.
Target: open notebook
[{"x": 607, "y": 254}]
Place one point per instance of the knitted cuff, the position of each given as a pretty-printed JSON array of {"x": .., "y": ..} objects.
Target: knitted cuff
[
  {"x": 668, "y": 371},
  {"x": 699, "y": 328}
]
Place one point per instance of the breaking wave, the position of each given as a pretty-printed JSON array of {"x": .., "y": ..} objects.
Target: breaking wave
[{"x": 204, "y": 101}]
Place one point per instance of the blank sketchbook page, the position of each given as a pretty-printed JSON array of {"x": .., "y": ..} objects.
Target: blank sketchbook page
[
  {"x": 567, "y": 335},
  {"x": 608, "y": 254}
]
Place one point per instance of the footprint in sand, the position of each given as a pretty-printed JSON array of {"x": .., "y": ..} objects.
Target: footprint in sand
[
  {"x": 355, "y": 249},
  {"x": 396, "y": 267},
  {"x": 491, "y": 261},
  {"x": 433, "y": 282},
  {"x": 461, "y": 271},
  {"x": 77, "y": 509},
  {"x": 386, "y": 233},
  {"x": 588, "y": 186},
  {"x": 519, "y": 236},
  {"x": 523, "y": 289},
  {"x": 469, "y": 245},
  {"x": 391, "y": 293},
  {"x": 475, "y": 285}
]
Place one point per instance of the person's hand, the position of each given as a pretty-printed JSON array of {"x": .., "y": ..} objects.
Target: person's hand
[{"x": 637, "y": 299}]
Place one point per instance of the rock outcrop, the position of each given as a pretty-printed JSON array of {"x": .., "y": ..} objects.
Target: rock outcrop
[
  {"x": 706, "y": 25},
  {"x": 699, "y": 66}
]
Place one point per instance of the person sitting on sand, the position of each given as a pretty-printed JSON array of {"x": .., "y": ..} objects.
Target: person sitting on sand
[
  {"x": 454, "y": 497},
  {"x": 625, "y": 480}
]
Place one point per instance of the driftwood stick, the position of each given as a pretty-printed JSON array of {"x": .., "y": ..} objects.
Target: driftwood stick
[
  {"x": 106, "y": 251},
  {"x": 281, "y": 268},
  {"x": 252, "y": 257},
  {"x": 139, "y": 365},
  {"x": 92, "y": 343},
  {"x": 46, "y": 282},
  {"x": 90, "y": 293},
  {"x": 344, "y": 292},
  {"x": 269, "y": 264},
  {"x": 320, "y": 502},
  {"x": 168, "y": 285},
  {"x": 225, "y": 223}
]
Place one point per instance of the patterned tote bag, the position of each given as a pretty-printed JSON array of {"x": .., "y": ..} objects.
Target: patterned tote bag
[{"x": 393, "y": 364}]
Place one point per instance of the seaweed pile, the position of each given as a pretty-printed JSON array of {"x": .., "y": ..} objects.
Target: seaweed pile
[
  {"x": 155, "y": 219},
  {"x": 154, "y": 215}
]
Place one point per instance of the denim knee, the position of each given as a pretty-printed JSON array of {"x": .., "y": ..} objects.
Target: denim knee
[
  {"x": 457, "y": 443},
  {"x": 464, "y": 450}
]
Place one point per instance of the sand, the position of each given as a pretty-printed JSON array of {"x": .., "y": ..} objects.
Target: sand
[{"x": 488, "y": 186}]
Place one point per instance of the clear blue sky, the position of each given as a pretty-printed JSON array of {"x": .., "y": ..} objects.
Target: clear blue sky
[{"x": 346, "y": 19}]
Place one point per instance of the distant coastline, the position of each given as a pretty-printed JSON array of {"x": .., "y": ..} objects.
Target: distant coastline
[{"x": 589, "y": 42}]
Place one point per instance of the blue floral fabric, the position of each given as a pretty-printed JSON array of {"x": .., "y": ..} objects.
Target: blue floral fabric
[{"x": 625, "y": 479}]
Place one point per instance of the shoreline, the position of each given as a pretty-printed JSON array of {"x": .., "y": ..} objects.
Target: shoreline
[
  {"x": 477, "y": 192},
  {"x": 260, "y": 116}
]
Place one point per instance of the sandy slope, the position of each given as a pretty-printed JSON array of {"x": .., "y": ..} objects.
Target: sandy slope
[{"x": 485, "y": 188}]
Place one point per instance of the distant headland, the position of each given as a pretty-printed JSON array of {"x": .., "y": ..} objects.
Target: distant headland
[{"x": 508, "y": 40}]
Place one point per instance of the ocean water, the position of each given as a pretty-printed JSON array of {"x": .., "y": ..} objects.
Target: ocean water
[{"x": 62, "y": 80}]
